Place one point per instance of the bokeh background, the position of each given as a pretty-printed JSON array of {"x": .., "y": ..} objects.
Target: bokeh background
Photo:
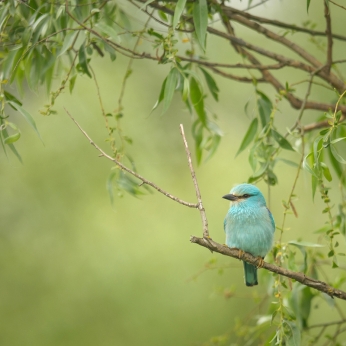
[{"x": 76, "y": 270}]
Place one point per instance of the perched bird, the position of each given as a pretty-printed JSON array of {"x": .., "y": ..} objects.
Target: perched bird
[{"x": 249, "y": 226}]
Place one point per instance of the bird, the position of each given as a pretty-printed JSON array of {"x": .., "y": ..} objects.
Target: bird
[{"x": 249, "y": 226}]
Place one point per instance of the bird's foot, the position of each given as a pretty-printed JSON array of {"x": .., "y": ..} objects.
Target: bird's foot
[
  {"x": 241, "y": 254},
  {"x": 260, "y": 262}
]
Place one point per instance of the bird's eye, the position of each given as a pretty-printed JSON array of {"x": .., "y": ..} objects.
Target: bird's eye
[{"x": 246, "y": 195}]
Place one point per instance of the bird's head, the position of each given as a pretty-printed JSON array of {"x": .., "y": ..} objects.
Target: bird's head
[{"x": 246, "y": 193}]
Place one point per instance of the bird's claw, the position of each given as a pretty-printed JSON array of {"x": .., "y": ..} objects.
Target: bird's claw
[
  {"x": 260, "y": 262},
  {"x": 241, "y": 253}
]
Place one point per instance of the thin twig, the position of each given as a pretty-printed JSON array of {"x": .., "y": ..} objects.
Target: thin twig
[
  {"x": 283, "y": 25},
  {"x": 327, "y": 324},
  {"x": 123, "y": 167},
  {"x": 329, "y": 37},
  {"x": 194, "y": 179},
  {"x": 334, "y": 3},
  {"x": 300, "y": 277}
]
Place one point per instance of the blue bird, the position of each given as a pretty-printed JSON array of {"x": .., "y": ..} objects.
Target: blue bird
[{"x": 249, "y": 226}]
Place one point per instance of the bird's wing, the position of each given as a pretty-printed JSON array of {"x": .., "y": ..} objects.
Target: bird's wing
[{"x": 271, "y": 219}]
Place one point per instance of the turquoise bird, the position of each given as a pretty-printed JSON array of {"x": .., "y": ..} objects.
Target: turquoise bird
[{"x": 249, "y": 226}]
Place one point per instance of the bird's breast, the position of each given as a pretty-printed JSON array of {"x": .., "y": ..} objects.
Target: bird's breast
[{"x": 249, "y": 229}]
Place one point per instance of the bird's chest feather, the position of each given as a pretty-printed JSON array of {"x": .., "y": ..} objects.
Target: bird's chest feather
[{"x": 249, "y": 229}]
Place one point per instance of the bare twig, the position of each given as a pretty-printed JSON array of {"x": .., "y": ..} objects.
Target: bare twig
[
  {"x": 123, "y": 167},
  {"x": 334, "y": 3},
  {"x": 283, "y": 25},
  {"x": 194, "y": 179},
  {"x": 329, "y": 37},
  {"x": 300, "y": 277}
]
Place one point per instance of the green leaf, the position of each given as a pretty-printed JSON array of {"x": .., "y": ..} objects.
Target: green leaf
[
  {"x": 186, "y": 89},
  {"x": 294, "y": 338},
  {"x": 161, "y": 96},
  {"x": 72, "y": 83},
  {"x": 264, "y": 107},
  {"x": 326, "y": 172},
  {"x": 83, "y": 62},
  {"x": 200, "y": 19},
  {"x": 10, "y": 63},
  {"x": 11, "y": 146},
  {"x": 10, "y": 97},
  {"x": 336, "y": 165},
  {"x": 108, "y": 30},
  {"x": 178, "y": 11},
  {"x": 27, "y": 116},
  {"x": 69, "y": 38},
  {"x": 197, "y": 133},
  {"x": 215, "y": 141},
  {"x": 197, "y": 101},
  {"x": 13, "y": 138},
  {"x": 211, "y": 84},
  {"x": 288, "y": 162},
  {"x": 282, "y": 141},
  {"x": 170, "y": 85},
  {"x": 307, "y": 5},
  {"x": 110, "y": 50},
  {"x": 337, "y": 140},
  {"x": 249, "y": 136},
  {"x": 109, "y": 186},
  {"x": 260, "y": 172},
  {"x": 336, "y": 155},
  {"x": 314, "y": 184},
  {"x": 307, "y": 167},
  {"x": 305, "y": 243}
]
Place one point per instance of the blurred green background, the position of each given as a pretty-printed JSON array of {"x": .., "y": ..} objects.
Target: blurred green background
[{"x": 76, "y": 270}]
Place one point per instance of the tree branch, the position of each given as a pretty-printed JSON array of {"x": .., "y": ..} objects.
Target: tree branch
[
  {"x": 123, "y": 167},
  {"x": 194, "y": 179},
  {"x": 300, "y": 277},
  {"x": 281, "y": 24},
  {"x": 329, "y": 37}
]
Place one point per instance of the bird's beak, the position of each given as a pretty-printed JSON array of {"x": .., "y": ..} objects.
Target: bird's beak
[{"x": 230, "y": 197}]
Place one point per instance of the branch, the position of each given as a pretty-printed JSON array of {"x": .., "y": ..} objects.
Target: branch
[
  {"x": 123, "y": 167},
  {"x": 300, "y": 277},
  {"x": 329, "y": 37},
  {"x": 194, "y": 179},
  {"x": 320, "y": 124},
  {"x": 331, "y": 79},
  {"x": 337, "y": 4},
  {"x": 281, "y": 24}
]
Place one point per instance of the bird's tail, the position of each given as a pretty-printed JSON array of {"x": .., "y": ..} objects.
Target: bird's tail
[{"x": 250, "y": 272}]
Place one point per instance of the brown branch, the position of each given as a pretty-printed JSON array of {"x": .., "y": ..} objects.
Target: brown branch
[
  {"x": 275, "y": 37},
  {"x": 300, "y": 277},
  {"x": 327, "y": 324},
  {"x": 293, "y": 100},
  {"x": 234, "y": 77},
  {"x": 331, "y": 79},
  {"x": 240, "y": 66},
  {"x": 334, "y": 3},
  {"x": 329, "y": 37},
  {"x": 281, "y": 24},
  {"x": 194, "y": 179},
  {"x": 123, "y": 167},
  {"x": 321, "y": 124}
]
